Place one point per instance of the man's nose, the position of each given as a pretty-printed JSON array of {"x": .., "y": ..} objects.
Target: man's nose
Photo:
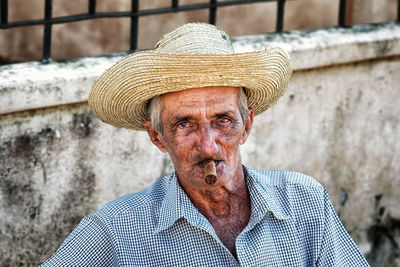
[{"x": 208, "y": 146}]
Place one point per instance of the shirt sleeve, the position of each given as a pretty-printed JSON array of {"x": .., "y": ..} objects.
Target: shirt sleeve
[
  {"x": 88, "y": 245},
  {"x": 337, "y": 249}
]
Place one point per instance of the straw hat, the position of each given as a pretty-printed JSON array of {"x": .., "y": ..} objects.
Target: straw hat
[{"x": 191, "y": 56}]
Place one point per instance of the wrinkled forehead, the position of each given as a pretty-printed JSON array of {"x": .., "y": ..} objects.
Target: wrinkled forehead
[{"x": 204, "y": 97}]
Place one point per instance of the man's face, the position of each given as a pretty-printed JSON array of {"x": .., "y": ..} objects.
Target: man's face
[{"x": 201, "y": 124}]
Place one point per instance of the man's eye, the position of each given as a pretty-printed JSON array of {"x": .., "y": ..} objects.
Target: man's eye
[
  {"x": 183, "y": 124},
  {"x": 223, "y": 120}
]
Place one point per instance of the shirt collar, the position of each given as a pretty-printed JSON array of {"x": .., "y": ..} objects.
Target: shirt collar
[
  {"x": 176, "y": 204},
  {"x": 263, "y": 199},
  {"x": 169, "y": 211}
]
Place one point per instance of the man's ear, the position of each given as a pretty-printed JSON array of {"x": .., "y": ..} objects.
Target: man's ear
[
  {"x": 247, "y": 126},
  {"x": 155, "y": 137}
]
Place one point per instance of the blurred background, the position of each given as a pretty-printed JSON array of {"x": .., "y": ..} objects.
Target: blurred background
[{"x": 338, "y": 121}]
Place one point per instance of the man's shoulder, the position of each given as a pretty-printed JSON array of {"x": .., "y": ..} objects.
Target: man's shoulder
[
  {"x": 291, "y": 194},
  {"x": 283, "y": 178},
  {"x": 145, "y": 200}
]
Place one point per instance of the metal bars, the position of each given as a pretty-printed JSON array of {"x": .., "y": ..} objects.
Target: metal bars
[
  {"x": 48, "y": 8},
  {"x": 135, "y": 13},
  {"x": 4, "y": 11},
  {"x": 398, "y": 10},
  {"x": 213, "y": 12},
  {"x": 174, "y": 4},
  {"x": 342, "y": 13},
  {"x": 174, "y": 8},
  {"x": 92, "y": 7},
  {"x": 140, "y": 13},
  {"x": 134, "y": 24},
  {"x": 279, "y": 16}
]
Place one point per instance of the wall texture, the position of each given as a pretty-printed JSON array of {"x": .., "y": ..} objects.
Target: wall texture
[{"x": 338, "y": 122}]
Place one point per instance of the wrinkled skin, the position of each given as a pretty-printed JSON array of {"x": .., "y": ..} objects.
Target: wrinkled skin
[{"x": 200, "y": 124}]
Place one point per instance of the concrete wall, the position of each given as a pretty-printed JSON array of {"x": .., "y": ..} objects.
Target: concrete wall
[{"x": 338, "y": 122}]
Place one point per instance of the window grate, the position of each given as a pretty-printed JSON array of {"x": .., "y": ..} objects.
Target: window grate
[{"x": 135, "y": 13}]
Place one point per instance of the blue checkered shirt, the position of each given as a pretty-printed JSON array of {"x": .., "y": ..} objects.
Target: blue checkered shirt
[{"x": 292, "y": 223}]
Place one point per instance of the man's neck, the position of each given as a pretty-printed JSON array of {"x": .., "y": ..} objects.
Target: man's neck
[{"x": 220, "y": 202}]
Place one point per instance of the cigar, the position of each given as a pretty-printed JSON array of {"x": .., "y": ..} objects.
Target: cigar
[{"x": 210, "y": 173}]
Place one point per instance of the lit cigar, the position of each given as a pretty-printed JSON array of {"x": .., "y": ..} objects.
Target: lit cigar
[{"x": 210, "y": 173}]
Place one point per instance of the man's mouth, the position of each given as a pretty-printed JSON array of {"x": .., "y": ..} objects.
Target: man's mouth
[
  {"x": 200, "y": 165},
  {"x": 217, "y": 162}
]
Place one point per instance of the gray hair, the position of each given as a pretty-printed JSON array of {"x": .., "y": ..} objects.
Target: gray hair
[{"x": 156, "y": 107}]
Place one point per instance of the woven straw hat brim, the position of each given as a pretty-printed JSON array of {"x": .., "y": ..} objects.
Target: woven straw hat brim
[{"x": 120, "y": 95}]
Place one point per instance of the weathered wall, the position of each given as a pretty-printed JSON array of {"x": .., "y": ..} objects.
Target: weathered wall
[{"x": 338, "y": 122}]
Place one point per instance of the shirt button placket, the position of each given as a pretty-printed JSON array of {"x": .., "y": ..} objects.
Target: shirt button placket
[{"x": 242, "y": 251}]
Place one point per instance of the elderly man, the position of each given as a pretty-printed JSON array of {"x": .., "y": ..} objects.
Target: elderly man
[{"x": 197, "y": 99}]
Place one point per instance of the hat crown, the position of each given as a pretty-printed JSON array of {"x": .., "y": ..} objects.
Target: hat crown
[{"x": 195, "y": 38}]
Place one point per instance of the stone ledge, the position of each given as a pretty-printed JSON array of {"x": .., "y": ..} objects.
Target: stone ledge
[
  {"x": 35, "y": 85},
  {"x": 330, "y": 46}
]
